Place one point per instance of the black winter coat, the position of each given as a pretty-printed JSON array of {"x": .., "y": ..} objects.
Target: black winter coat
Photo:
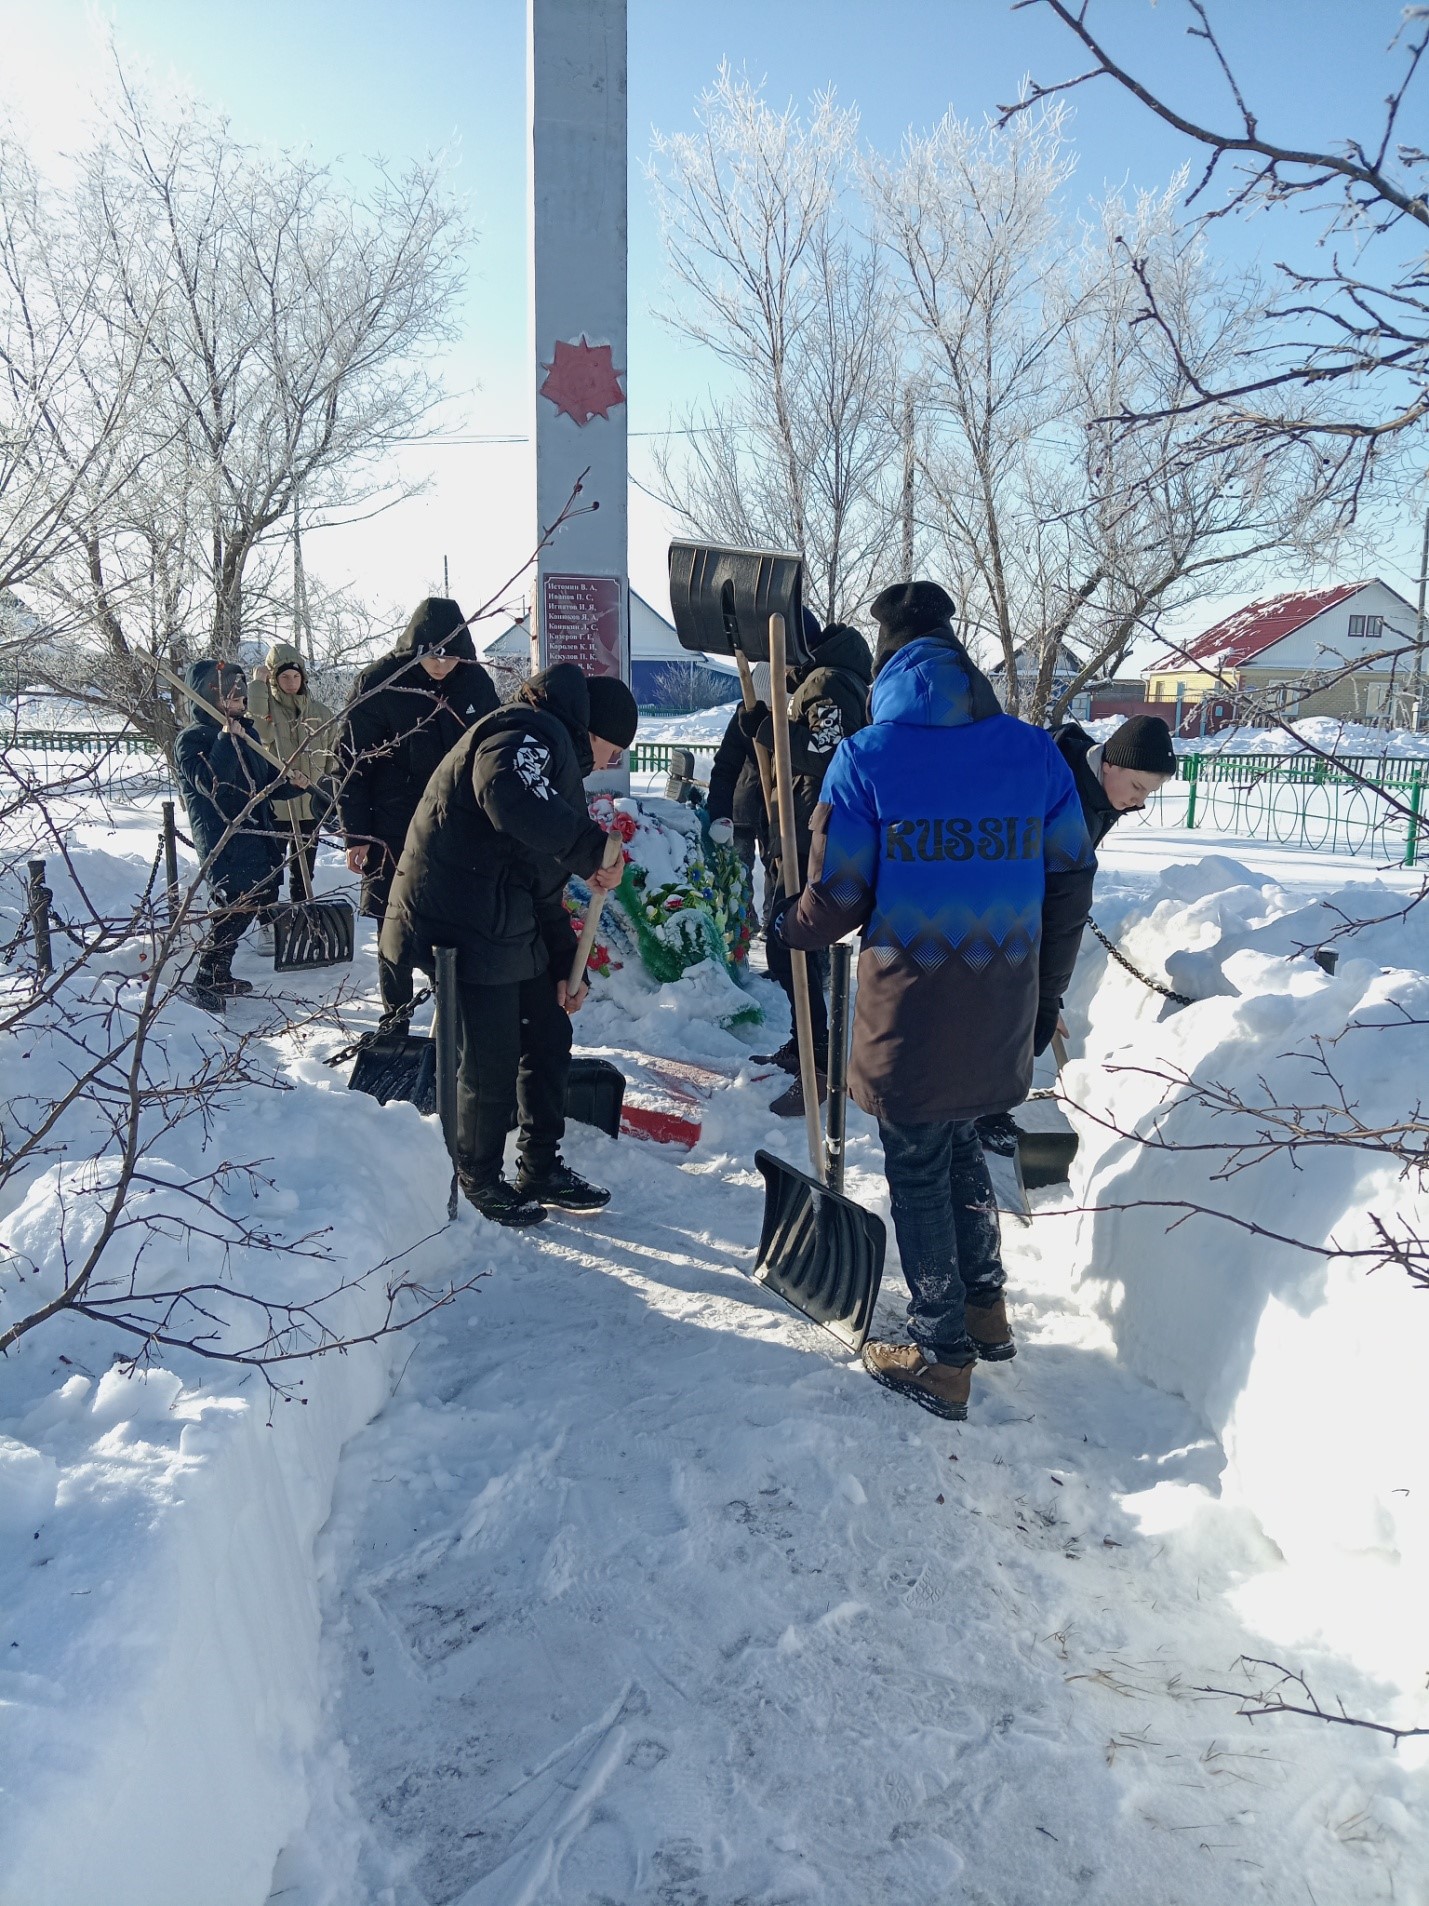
[
  {"x": 736, "y": 793},
  {"x": 499, "y": 830},
  {"x": 399, "y": 726},
  {"x": 1074, "y": 744},
  {"x": 218, "y": 778},
  {"x": 829, "y": 704}
]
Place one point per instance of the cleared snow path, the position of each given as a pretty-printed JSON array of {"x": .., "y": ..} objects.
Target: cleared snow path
[{"x": 639, "y": 1590}]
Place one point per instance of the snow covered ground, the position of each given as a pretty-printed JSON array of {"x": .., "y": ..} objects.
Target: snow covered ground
[{"x": 635, "y": 1588}]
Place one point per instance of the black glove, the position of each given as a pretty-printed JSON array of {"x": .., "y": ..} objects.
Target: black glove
[
  {"x": 1048, "y": 1013},
  {"x": 751, "y": 720}
]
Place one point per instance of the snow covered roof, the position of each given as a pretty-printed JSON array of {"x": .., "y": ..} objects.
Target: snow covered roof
[{"x": 1258, "y": 626}]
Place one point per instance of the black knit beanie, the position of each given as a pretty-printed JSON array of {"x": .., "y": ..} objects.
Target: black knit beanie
[
  {"x": 614, "y": 716},
  {"x": 1143, "y": 744}
]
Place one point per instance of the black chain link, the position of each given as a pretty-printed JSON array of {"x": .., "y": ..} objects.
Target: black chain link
[{"x": 1155, "y": 985}]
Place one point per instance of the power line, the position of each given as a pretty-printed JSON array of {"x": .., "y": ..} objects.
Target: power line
[{"x": 462, "y": 439}]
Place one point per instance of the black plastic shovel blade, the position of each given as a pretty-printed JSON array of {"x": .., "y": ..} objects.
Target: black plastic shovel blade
[
  {"x": 1046, "y": 1157},
  {"x": 722, "y": 598},
  {"x": 595, "y": 1095},
  {"x": 310, "y": 933},
  {"x": 401, "y": 1069},
  {"x": 819, "y": 1251}
]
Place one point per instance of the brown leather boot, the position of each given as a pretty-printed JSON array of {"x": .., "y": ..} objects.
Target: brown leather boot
[
  {"x": 942, "y": 1388},
  {"x": 990, "y": 1331}
]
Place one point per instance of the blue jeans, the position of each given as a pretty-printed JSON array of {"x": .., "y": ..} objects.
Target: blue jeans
[{"x": 945, "y": 1218}]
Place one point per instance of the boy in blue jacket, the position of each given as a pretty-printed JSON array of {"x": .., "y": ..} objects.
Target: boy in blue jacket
[
  {"x": 227, "y": 787},
  {"x": 951, "y": 835}
]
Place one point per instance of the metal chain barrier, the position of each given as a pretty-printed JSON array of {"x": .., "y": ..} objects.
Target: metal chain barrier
[{"x": 1154, "y": 985}]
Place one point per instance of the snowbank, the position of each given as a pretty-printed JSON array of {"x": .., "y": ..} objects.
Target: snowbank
[
  {"x": 1326, "y": 732},
  {"x": 1308, "y": 1367},
  {"x": 703, "y": 730},
  {"x": 159, "y": 1682}
]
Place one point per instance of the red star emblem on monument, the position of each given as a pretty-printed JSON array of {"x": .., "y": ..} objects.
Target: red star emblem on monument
[{"x": 583, "y": 382}]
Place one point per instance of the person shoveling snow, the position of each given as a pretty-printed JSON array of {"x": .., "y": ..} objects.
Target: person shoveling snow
[{"x": 951, "y": 834}]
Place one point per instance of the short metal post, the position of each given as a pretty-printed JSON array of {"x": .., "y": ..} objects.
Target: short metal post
[
  {"x": 1416, "y": 799},
  {"x": 171, "y": 862},
  {"x": 1193, "y": 769},
  {"x": 840, "y": 960},
  {"x": 40, "y": 898},
  {"x": 446, "y": 1026}
]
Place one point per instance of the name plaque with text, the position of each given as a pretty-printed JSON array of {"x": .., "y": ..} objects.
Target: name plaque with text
[{"x": 580, "y": 622}]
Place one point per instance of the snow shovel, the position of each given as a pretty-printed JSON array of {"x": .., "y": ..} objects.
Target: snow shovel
[
  {"x": 307, "y": 933},
  {"x": 1046, "y": 1143},
  {"x": 402, "y": 1066},
  {"x": 818, "y": 1250},
  {"x": 396, "y": 1067}
]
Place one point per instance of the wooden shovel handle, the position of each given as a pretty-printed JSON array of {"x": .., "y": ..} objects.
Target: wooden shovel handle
[
  {"x": 202, "y": 701},
  {"x": 761, "y": 755},
  {"x": 791, "y": 878},
  {"x": 614, "y": 854},
  {"x": 300, "y": 848}
]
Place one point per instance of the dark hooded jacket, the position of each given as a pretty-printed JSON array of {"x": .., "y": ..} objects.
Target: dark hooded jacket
[
  {"x": 829, "y": 703},
  {"x": 399, "y": 725},
  {"x": 951, "y": 834},
  {"x": 1074, "y": 744},
  {"x": 219, "y": 778},
  {"x": 501, "y": 827},
  {"x": 736, "y": 793}
]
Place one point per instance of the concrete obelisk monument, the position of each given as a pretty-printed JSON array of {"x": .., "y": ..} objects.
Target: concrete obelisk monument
[{"x": 576, "y": 75}]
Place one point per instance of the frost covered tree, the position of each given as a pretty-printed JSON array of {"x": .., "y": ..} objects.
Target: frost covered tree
[
  {"x": 772, "y": 277},
  {"x": 64, "y": 436},
  {"x": 934, "y": 356},
  {"x": 1067, "y": 535},
  {"x": 281, "y": 322}
]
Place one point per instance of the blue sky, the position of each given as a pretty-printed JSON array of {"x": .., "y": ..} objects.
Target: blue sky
[{"x": 362, "y": 78}]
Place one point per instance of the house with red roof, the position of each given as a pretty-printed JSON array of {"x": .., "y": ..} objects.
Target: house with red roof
[{"x": 1334, "y": 651}]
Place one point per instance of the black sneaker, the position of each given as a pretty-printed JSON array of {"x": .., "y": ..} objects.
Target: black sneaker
[
  {"x": 562, "y": 1188},
  {"x": 202, "y": 993},
  {"x": 790, "y": 1102},
  {"x": 503, "y": 1203},
  {"x": 786, "y": 1058}
]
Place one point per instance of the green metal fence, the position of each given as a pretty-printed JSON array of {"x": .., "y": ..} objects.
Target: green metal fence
[
  {"x": 1301, "y": 800},
  {"x": 87, "y": 741},
  {"x": 1295, "y": 800},
  {"x": 653, "y": 757}
]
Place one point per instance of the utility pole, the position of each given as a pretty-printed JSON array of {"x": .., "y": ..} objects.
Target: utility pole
[
  {"x": 579, "y": 245},
  {"x": 302, "y": 621},
  {"x": 1417, "y": 710},
  {"x": 906, "y": 510}
]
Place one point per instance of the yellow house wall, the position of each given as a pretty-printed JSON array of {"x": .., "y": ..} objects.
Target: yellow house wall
[
  {"x": 1162, "y": 687},
  {"x": 1360, "y": 693}
]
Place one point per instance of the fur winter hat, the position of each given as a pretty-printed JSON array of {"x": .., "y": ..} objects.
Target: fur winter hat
[
  {"x": 1142, "y": 744},
  {"x": 904, "y": 612},
  {"x": 910, "y": 609},
  {"x": 614, "y": 716}
]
